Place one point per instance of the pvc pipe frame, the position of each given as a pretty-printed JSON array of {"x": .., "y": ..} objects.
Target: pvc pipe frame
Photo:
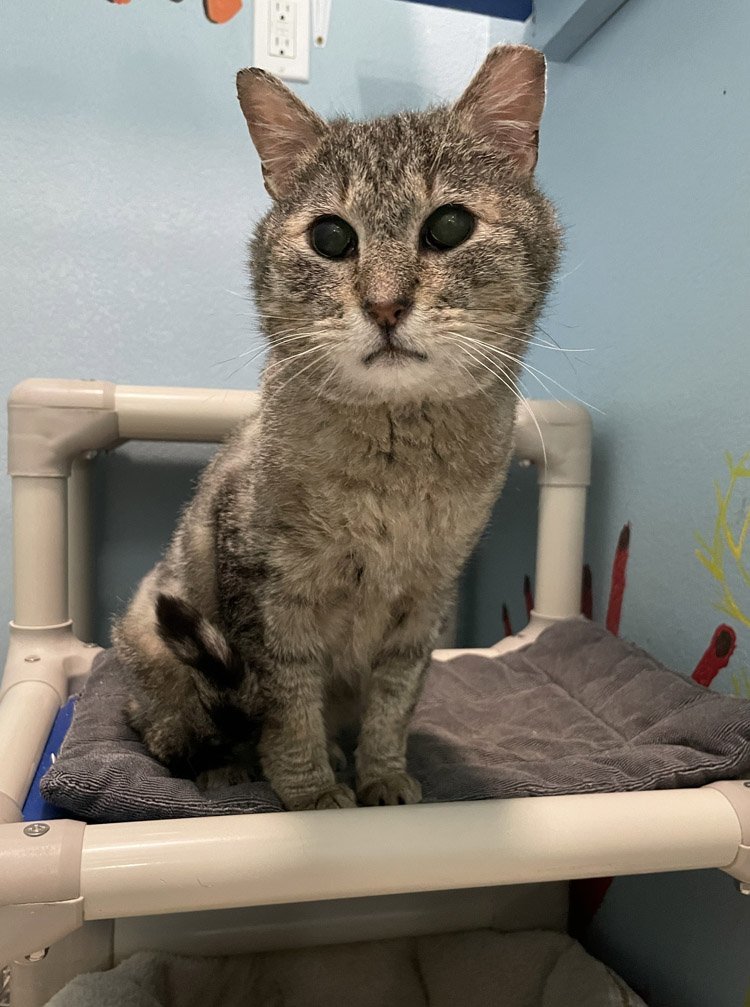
[
  {"x": 51, "y": 423},
  {"x": 40, "y": 550},
  {"x": 54, "y": 426},
  {"x": 97, "y": 872},
  {"x": 142, "y": 868}
]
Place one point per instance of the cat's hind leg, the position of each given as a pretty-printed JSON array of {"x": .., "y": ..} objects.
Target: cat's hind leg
[
  {"x": 190, "y": 708},
  {"x": 186, "y": 740}
]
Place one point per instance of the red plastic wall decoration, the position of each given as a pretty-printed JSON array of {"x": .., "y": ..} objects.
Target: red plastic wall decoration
[
  {"x": 716, "y": 655},
  {"x": 618, "y": 582}
]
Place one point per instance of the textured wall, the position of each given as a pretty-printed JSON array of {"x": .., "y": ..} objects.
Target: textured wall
[
  {"x": 129, "y": 187},
  {"x": 646, "y": 148},
  {"x": 647, "y": 152},
  {"x": 129, "y": 190}
]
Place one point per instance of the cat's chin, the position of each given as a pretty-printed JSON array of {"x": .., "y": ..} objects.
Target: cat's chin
[
  {"x": 397, "y": 380},
  {"x": 393, "y": 356}
]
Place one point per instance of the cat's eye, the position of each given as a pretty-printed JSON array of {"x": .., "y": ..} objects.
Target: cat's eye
[
  {"x": 333, "y": 238},
  {"x": 447, "y": 227}
]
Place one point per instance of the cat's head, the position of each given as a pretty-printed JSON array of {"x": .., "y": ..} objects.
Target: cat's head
[{"x": 406, "y": 257}]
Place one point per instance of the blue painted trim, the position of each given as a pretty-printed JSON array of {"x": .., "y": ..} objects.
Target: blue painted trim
[
  {"x": 512, "y": 10},
  {"x": 35, "y": 808}
]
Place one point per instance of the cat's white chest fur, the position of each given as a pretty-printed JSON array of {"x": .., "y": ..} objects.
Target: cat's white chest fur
[{"x": 398, "y": 549}]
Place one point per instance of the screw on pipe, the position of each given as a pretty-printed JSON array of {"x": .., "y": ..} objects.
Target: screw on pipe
[{"x": 36, "y": 829}]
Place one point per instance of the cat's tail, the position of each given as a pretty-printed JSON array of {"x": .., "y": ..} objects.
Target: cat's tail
[{"x": 218, "y": 669}]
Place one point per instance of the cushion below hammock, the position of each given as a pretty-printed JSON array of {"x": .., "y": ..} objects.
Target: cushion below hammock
[
  {"x": 577, "y": 711},
  {"x": 476, "y": 969}
]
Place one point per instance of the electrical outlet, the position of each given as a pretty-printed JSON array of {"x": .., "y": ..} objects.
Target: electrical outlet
[
  {"x": 282, "y": 31},
  {"x": 281, "y": 37}
]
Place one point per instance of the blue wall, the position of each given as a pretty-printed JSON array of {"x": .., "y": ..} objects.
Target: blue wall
[
  {"x": 133, "y": 190},
  {"x": 646, "y": 148},
  {"x": 122, "y": 240}
]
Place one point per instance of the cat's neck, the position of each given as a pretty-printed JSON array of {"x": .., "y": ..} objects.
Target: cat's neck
[
  {"x": 306, "y": 404},
  {"x": 459, "y": 433}
]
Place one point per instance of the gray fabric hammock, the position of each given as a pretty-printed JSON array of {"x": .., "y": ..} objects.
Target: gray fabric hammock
[{"x": 578, "y": 711}]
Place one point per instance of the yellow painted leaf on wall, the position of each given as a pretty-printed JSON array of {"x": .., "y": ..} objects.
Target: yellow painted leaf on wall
[{"x": 725, "y": 554}]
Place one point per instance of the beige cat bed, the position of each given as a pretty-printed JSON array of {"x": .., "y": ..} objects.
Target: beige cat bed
[{"x": 476, "y": 969}]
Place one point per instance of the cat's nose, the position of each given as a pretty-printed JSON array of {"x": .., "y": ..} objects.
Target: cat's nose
[{"x": 387, "y": 314}]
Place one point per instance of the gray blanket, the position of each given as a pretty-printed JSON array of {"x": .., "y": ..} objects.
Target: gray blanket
[{"x": 578, "y": 711}]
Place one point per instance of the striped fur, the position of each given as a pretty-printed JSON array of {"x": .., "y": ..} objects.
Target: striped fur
[{"x": 308, "y": 578}]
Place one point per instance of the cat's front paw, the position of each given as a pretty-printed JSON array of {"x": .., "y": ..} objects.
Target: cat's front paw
[
  {"x": 392, "y": 788},
  {"x": 337, "y": 796}
]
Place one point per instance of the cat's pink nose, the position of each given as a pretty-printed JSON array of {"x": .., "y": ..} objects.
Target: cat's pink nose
[{"x": 387, "y": 314}]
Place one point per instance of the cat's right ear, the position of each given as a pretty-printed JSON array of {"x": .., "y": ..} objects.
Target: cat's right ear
[
  {"x": 504, "y": 102},
  {"x": 283, "y": 129}
]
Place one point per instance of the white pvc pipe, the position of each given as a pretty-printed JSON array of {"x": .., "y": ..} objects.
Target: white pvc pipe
[
  {"x": 342, "y": 921},
  {"x": 142, "y": 868},
  {"x": 559, "y": 551},
  {"x": 556, "y": 436},
  {"x": 80, "y": 549},
  {"x": 181, "y": 414},
  {"x": 40, "y": 549},
  {"x": 27, "y": 712}
]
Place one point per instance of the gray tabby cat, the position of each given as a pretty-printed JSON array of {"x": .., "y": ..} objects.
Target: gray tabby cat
[{"x": 398, "y": 277}]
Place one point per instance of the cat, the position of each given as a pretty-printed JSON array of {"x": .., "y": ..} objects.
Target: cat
[{"x": 398, "y": 277}]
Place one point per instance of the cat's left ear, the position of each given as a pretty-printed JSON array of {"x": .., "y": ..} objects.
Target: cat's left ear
[
  {"x": 283, "y": 129},
  {"x": 504, "y": 103}
]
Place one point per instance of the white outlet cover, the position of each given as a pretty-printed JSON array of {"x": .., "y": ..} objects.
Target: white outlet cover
[{"x": 271, "y": 17}]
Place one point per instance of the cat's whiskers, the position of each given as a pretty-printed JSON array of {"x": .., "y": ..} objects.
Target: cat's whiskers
[
  {"x": 507, "y": 333},
  {"x": 497, "y": 353},
  {"x": 508, "y": 380},
  {"x": 534, "y": 372},
  {"x": 244, "y": 364},
  {"x": 520, "y": 335},
  {"x": 563, "y": 276},
  {"x": 257, "y": 350},
  {"x": 267, "y": 343},
  {"x": 264, "y": 344},
  {"x": 458, "y": 316},
  {"x": 257, "y": 354},
  {"x": 520, "y": 388},
  {"x": 523, "y": 336},
  {"x": 322, "y": 359},
  {"x": 482, "y": 391},
  {"x": 330, "y": 377},
  {"x": 285, "y": 361}
]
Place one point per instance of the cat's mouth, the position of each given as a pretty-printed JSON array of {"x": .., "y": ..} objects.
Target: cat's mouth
[{"x": 392, "y": 353}]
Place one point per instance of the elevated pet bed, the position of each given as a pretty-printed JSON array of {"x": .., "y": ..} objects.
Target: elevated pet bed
[
  {"x": 577, "y": 711},
  {"x": 56, "y": 874}
]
